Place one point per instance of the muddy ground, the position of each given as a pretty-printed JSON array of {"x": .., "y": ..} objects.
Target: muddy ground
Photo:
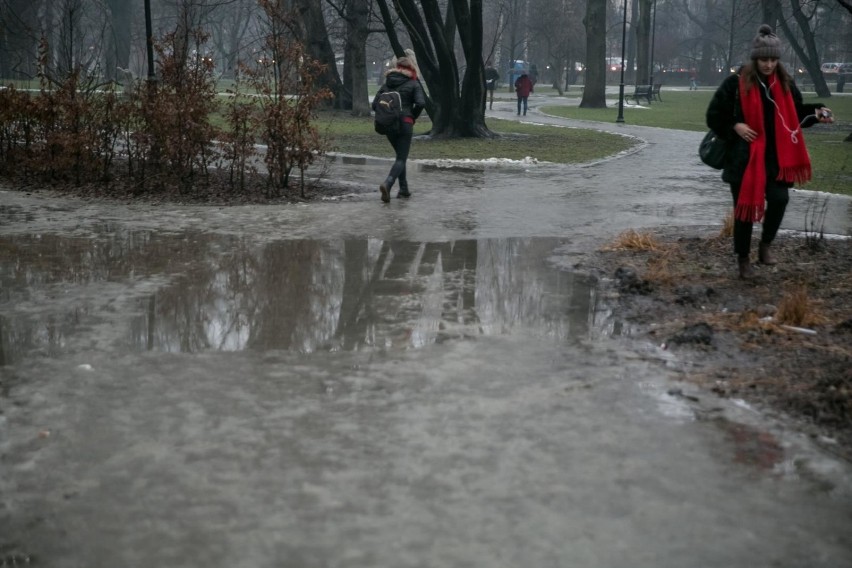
[{"x": 781, "y": 341}]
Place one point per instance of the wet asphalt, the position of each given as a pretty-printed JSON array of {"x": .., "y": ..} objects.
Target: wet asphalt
[{"x": 352, "y": 384}]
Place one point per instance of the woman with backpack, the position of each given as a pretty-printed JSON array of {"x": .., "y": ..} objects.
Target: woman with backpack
[{"x": 402, "y": 79}]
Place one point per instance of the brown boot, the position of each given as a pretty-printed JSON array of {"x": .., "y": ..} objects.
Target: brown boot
[
  {"x": 385, "y": 193},
  {"x": 764, "y": 254},
  {"x": 746, "y": 270}
]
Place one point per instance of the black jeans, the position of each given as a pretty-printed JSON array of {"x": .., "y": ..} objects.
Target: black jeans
[
  {"x": 777, "y": 197},
  {"x": 522, "y": 100},
  {"x": 401, "y": 142}
]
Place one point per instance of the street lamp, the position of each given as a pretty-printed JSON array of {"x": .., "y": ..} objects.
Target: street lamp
[
  {"x": 149, "y": 36},
  {"x": 621, "y": 85}
]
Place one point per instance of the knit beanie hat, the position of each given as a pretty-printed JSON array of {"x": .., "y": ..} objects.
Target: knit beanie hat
[{"x": 765, "y": 44}]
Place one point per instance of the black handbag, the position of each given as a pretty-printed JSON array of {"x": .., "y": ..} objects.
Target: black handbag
[{"x": 713, "y": 151}]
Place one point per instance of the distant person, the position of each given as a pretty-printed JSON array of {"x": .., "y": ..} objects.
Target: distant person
[
  {"x": 693, "y": 79},
  {"x": 759, "y": 110},
  {"x": 523, "y": 88},
  {"x": 534, "y": 74},
  {"x": 402, "y": 78},
  {"x": 491, "y": 78}
]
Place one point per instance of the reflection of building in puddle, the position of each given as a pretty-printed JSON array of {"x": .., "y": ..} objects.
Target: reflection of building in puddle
[{"x": 311, "y": 295}]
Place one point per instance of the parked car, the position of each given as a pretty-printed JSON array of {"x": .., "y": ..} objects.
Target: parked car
[
  {"x": 830, "y": 68},
  {"x": 845, "y": 68}
]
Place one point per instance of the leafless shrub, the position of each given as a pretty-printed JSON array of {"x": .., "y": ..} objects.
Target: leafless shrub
[
  {"x": 65, "y": 132},
  {"x": 284, "y": 77},
  {"x": 815, "y": 223},
  {"x": 177, "y": 141}
]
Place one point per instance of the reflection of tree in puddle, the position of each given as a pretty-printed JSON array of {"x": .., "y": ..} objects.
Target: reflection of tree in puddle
[
  {"x": 363, "y": 294},
  {"x": 47, "y": 282},
  {"x": 305, "y": 296}
]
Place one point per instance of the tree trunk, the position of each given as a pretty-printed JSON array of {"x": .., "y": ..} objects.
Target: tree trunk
[
  {"x": 118, "y": 41},
  {"x": 355, "y": 95},
  {"x": 594, "y": 92},
  {"x": 643, "y": 41},
  {"x": 318, "y": 46}
]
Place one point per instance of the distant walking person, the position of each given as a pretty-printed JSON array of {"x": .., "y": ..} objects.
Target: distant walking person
[
  {"x": 523, "y": 88},
  {"x": 760, "y": 112},
  {"x": 402, "y": 78},
  {"x": 693, "y": 79},
  {"x": 491, "y": 78}
]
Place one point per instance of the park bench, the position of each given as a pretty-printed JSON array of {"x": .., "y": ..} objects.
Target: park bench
[
  {"x": 655, "y": 92},
  {"x": 641, "y": 92}
]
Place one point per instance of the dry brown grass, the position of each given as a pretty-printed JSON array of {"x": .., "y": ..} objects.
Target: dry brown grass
[
  {"x": 635, "y": 241},
  {"x": 727, "y": 230},
  {"x": 664, "y": 266},
  {"x": 796, "y": 308}
]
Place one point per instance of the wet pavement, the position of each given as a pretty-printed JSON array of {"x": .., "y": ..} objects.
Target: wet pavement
[{"x": 424, "y": 383}]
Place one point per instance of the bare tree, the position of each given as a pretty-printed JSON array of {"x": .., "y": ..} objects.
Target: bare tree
[
  {"x": 554, "y": 24},
  {"x": 456, "y": 106},
  {"x": 229, "y": 26},
  {"x": 117, "y": 51},
  {"x": 356, "y": 16},
  {"x": 806, "y": 49},
  {"x": 20, "y": 31},
  {"x": 314, "y": 36}
]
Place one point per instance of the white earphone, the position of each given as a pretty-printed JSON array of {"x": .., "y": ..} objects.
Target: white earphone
[{"x": 794, "y": 136}]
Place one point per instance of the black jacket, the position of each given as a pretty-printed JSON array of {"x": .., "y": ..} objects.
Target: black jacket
[
  {"x": 725, "y": 111},
  {"x": 410, "y": 92}
]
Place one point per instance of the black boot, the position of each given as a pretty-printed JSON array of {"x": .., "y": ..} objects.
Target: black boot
[
  {"x": 745, "y": 268},
  {"x": 385, "y": 189},
  {"x": 764, "y": 255},
  {"x": 403, "y": 189}
]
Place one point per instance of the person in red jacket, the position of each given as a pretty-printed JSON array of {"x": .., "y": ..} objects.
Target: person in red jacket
[{"x": 523, "y": 88}]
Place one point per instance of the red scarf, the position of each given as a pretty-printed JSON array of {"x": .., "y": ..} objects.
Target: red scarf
[{"x": 794, "y": 164}]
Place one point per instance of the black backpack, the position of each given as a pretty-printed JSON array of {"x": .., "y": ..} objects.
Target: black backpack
[{"x": 388, "y": 107}]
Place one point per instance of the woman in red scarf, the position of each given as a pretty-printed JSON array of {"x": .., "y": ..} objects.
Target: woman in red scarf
[{"x": 760, "y": 112}]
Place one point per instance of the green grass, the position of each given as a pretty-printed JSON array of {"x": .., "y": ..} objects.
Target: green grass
[
  {"x": 684, "y": 110},
  {"x": 516, "y": 141}
]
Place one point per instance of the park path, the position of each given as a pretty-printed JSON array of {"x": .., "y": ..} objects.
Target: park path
[{"x": 347, "y": 383}]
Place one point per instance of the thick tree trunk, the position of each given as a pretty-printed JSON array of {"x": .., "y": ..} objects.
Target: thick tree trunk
[
  {"x": 355, "y": 95},
  {"x": 318, "y": 46},
  {"x": 594, "y": 92},
  {"x": 643, "y": 41},
  {"x": 456, "y": 106}
]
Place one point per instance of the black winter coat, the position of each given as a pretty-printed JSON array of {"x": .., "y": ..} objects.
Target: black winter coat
[
  {"x": 725, "y": 111},
  {"x": 410, "y": 92}
]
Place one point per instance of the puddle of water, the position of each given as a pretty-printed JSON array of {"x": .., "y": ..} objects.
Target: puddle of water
[{"x": 190, "y": 293}]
